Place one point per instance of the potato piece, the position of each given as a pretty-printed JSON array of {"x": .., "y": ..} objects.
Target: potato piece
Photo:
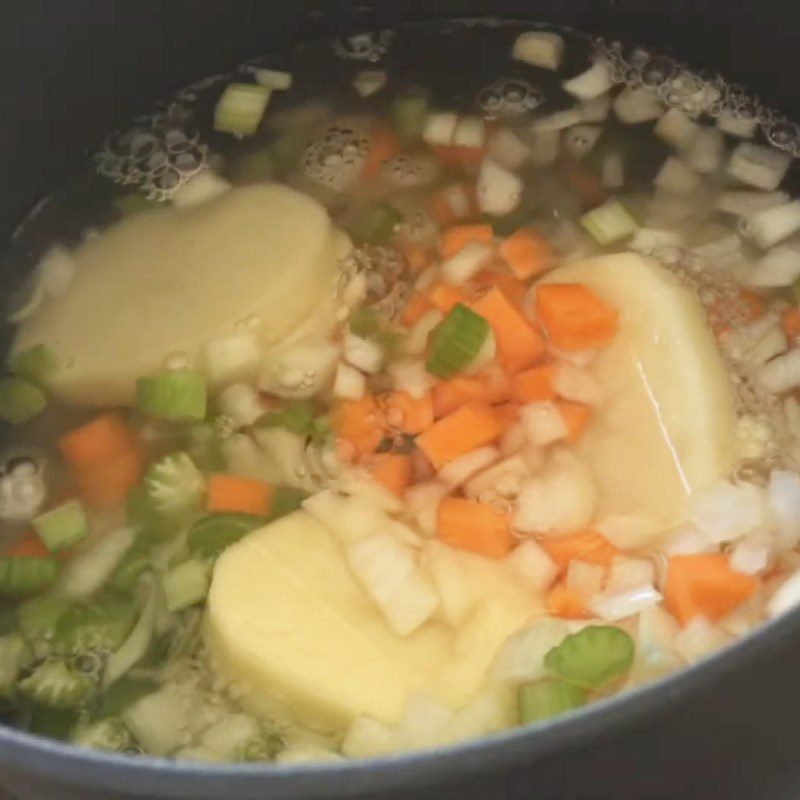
[
  {"x": 666, "y": 426},
  {"x": 288, "y": 623},
  {"x": 164, "y": 282}
]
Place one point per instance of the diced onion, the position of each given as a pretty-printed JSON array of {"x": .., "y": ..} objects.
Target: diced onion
[
  {"x": 626, "y": 573},
  {"x": 579, "y": 140},
  {"x": 724, "y": 511},
  {"x": 633, "y": 106},
  {"x": 584, "y": 578},
  {"x": 744, "y": 202},
  {"x": 779, "y": 267},
  {"x": 531, "y": 562},
  {"x": 786, "y": 597},
  {"x": 349, "y": 383},
  {"x": 444, "y": 566},
  {"x": 706, "y": 151},
  {"x": 461, "y": 469},
  {"x": 242, "y": 403},
  {"x": 501, "y": 481},
  {"x": 440, "y": 127},
  {"x": 470, "y": 132},
  {"x": 675, "y": 177},
  {"x": 676, "y": 128},
  {"x": 508, "y": 149},
  {"x": 560, "y": 500},
  {"x": 686, "y": 540},
  {"x": 417, "y": 340},
  {"x": 593, "y": 82},
  {"x": 462, "y": 266},
  {"x": 499, "y": 190},
  {"x": 301, "y": 370},
  {"x": 361, "y": 353},
  {"x": 753, "y": 554},
  {"x": 758, "y": 166},
  {"x": 558, "y": 121},
  {"x": 783, "y": 504},
  {"x": 388, "y": 572},
  {"x": 575, "y": 383},
  {"x": 543, "y": 423},
  {"x": 782, "y": 373},
  {"x": 772, "y": 225},
  {"x": 410, "y": 375},
  {"x": 539, "y": 49},
  {"x": 700, "y": 638},
  {"x": 422, "y": 504},
  {"x": 369, "y": 81},
  {"x": 613, "y": 605},
  {"x": 521, "y": 658},
  {"x": 743, "y": 127}
]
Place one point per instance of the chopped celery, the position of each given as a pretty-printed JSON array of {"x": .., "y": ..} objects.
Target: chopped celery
[
  {"x": 134, "y": 648},
  {"x": 14, "y": 653},
  {"x": 592, "y": 657},
  {"x": 456, "y": 341},
  {"x": 365, "y": 322},
  {"x": 609, "y": 223},
  {"x": 101, "y": 624},
  {"x": 110, "y": 734},
  {"x": 546, "y": 699},
  {"x": 123, "y": 693},
  {"x": 56, "y": 685},
  {"x": 285, "y": 500},
  {"x": 36, "y": 364},
  {"x": 135, "y": 563},
  {"x": 173, "y": 485},
  {"x": 375, "y": 224},
  {"x": 37, "y": 619},
  {"x": 297, "y": 417},
  {"x": 176, "y": 395},
  {"x": 20, "y": 400},
  {"x": 212, "y": 534},
  {"x": 20, "y": 577},
  {"x": 240, "y": 108},
  {"x": 408, "y": 114},
  {"x": 187, "y": 584},
  {"x": 62, "y": 527}
]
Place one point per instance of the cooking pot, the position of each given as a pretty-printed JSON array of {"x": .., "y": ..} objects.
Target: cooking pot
[{"x": 726, "y": 728}]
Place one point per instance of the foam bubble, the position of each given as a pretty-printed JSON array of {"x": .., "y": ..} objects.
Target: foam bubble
[{"x": 508, "y": 96}]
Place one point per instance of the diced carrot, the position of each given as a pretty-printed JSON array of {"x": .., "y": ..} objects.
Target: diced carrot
[
  {"x": 96, "y": 441},
  {"x": 471, "y": 426},
  {"x": 457, "y": 237},
  {"x": 513, "y": 289},
  {"x": 576, "y": 417},
  {"x": 444, "y": 296},
  {"x": 106, "y": 483},
  {"x": 453, "y": 203},
  {"x": 507, "y": 413},
  {"x": 418, "y": 305},
  {"x": 520, "y": 343},
  {"x": 392, "y": 470},
  {"x": 562, "y": 601},
  {"x": 528, "y": 253},
  {"x": 384, "y": 144},
  {"x": 238, "y": 494},
  {"x": 587, "y": 186},
  {"x": 30, "y": 546},
  {"x": 587, "y": 546},
  {"x": 360, "y": 423},
  {"x": 457, "y": 156},
  {"x": 705, "y": 585},
  {"x": 405, "y": 413},
  {"x": 791, "y": 325},
  {"x": 474, "y": 526},
  {"x": 574, "y": 317},
  {"x": 418, "y": 256},
  {"x": 489, "y": 386},
  {"x": 534, "y": 385}
]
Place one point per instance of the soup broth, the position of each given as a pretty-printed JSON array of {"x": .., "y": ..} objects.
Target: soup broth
[{"x": 395, "y": 391}]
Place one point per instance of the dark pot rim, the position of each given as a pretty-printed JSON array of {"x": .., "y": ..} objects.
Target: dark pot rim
[{"x": 49, "y": 759}]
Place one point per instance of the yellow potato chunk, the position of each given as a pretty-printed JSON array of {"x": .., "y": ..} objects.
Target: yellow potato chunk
[
  {"x": 164, "y": 282},
  {"x": 666, "y": 425}
]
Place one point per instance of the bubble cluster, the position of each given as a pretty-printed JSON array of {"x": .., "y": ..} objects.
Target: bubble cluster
[
  {"x": 507, "y": 97},
  {"x": 409, "y": 171},
  {"x": 336, "y": 158},
  {"x": 696, "y": 93},
  {"x": 363, "y": 46},
  {"x": 159, "y": 153}
]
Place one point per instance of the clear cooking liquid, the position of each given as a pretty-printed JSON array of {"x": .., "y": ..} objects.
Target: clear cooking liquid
[{"x": 638, "y": 510}]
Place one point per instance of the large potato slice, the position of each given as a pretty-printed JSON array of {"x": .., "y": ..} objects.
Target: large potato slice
[
  {"x": 164, "y": 282},
  {"x": 667, "y": 425}
]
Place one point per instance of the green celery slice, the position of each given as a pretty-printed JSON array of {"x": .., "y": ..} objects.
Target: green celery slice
[
  {"x": 592, "y": 657},
  {"x": 285, "y": 500},
  {"x": 37, "y": 364},
  {"x": 240, "y": 108},
  {"x": 20, "y": 400},
  {"x": 609, "y": 223},
  {"x": 101, "y": 624},
  {"x": 187, "y": 584},
  {"x": 456, "y": 341},
  {"x": 214, "y": 533},
  {"x": 545, "y": 699},
  {"x": 62, "y": 527},
  {"x": 176, "y": 395},
  {"x": 21, "y": 576}
]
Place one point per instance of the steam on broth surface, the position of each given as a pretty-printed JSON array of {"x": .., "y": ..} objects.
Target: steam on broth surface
[{"x": 360, "y": 404}]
